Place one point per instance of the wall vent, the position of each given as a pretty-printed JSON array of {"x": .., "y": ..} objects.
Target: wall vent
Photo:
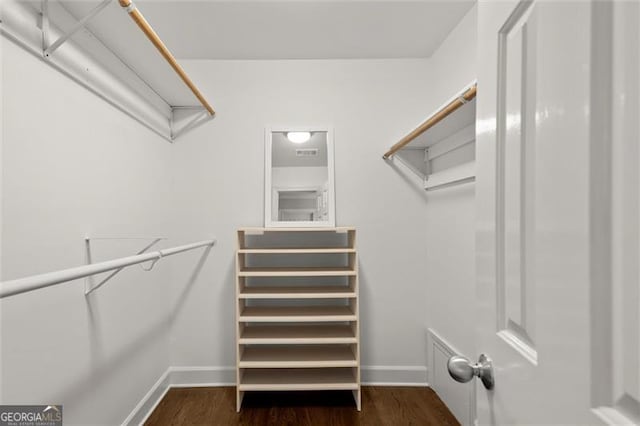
[{"x": 307, "y": 152}]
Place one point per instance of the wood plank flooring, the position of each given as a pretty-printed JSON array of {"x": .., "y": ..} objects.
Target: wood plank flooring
[{"x": 395, "y": 406}]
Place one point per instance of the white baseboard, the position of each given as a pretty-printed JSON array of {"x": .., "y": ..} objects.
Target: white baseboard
[
  {"x": 460, "y": 398},
  {"x": 388, "y": 375},
  {"x": 184, "y": 377},
  {"x": 150, "y": 401},
  {"x": 180, "y": 377}
]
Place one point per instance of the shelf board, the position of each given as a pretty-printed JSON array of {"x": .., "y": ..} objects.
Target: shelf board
[
  {"x": 306, "y": 356},
  {"x": 257, "y": 230},
  {"x": 297, "y": 250},
  {"x": 297, "y": 379},
  {"x": 298, "y": 292},
  {"x": 297, "y": 314},
  {"x": 325, "y": 271},
  {"x": 297, "y": 334}
]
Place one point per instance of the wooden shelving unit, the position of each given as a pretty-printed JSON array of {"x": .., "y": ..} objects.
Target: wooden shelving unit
[{"x": 297, "y": 310}]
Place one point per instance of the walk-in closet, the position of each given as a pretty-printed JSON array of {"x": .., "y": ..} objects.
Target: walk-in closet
[{"x": 307, "y": 212}]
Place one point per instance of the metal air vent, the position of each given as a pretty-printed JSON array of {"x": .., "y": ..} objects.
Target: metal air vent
[{"x": 307, "y": 152}]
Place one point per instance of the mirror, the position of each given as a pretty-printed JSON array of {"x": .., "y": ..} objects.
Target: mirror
[{"x": 299, "y": 190}]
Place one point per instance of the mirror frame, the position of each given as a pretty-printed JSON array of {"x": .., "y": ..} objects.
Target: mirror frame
[{"x": 268, "y": 222}]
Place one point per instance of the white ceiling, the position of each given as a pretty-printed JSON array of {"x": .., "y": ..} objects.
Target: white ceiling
[
  {"x": 260, "y": 29},
  {"x": 298, "y": 29}
]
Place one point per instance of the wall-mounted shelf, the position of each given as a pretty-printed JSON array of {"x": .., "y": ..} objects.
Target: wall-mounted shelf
[
  {"x": 441, "y": 150},
  {"x": 125, "y": 63},
  {"x": 297, "y": 326}
]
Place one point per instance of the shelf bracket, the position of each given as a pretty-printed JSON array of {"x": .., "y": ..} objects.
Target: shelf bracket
[
  {"x": 77, "y": 27},
  {"x": 45, "y": 24},
  {"x": 200, "y": 118},
  {"x": 427, "y": 166},
  {"x": 414, "y": 168},
  {"x": 89, "y": 289}
]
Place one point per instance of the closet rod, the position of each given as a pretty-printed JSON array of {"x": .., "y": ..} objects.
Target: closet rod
[
  {"x": 142, "y": 23},
  {"x": 34, "y": 282},
  {"x": 465, "y": 97}
]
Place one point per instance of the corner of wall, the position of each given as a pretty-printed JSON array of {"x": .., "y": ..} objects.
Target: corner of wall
[{"x": 455, "y": 61}]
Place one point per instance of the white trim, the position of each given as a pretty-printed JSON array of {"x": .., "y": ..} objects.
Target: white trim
[
  {"x": 391, "y": 375},
  {"x": 179, "y": 377},
  {"x": 434, "y": 340},
  {"x": 218, "y": 376},
  {"x": 519, "y": 345},
  {"x": 182, "y": 377},
  {"x": 150, "y": 401},
  {"x": 397, "y": 384}
]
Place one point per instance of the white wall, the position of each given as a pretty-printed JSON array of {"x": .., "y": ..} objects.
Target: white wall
[
  {"x": 450, "y": 234},
  {"x": 74, "y": 166},
  {"x": 371, "y": 104},
  {"x": 416, "y": 249},
  {"x": 450, "y": 213}
]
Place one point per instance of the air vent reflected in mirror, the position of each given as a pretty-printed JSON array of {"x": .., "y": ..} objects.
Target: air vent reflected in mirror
[{"x": 307, "y": 152}]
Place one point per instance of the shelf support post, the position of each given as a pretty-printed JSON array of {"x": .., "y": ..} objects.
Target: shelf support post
[
  {"x": 427, "y": 165},
  {"x": 45, "y": 24},
  {"x": 200, "y": 118}
]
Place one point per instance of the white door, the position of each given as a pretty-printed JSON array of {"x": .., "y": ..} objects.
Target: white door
[{"x": 557, "y": 193}]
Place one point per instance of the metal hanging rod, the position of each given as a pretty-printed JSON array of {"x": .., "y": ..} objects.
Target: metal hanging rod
[
  {"x": 142, "y": 23},
  {"x": 465, "y": 97},
  {"x": 23, "y": 285}
]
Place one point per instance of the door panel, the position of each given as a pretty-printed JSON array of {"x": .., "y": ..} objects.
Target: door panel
[
  {"x": 515, "y": 122},
  {"x": 538, "y": 189}
]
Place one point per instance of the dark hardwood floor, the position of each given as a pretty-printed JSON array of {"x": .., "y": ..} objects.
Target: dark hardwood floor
[{"x": 395, "y": 406}]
